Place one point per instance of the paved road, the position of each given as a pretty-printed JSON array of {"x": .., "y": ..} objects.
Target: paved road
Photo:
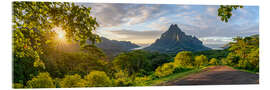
[{"x": 217, "y": 75}]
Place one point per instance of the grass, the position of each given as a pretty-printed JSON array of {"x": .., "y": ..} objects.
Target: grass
[{"x": 171, "y": 77}]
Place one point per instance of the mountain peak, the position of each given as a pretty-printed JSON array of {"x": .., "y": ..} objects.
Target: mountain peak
[
  {"x": 173, "y": 33},
  {"x": 175, "y": 40},
  {"x": 174, "y": 27}
]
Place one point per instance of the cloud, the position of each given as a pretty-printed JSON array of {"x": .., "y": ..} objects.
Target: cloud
[
  {"x": 216, "y": 40},
  {"x": 118, "y": 14},
  {"x": 143, "y": 23},
  {"x": 139, "y": 37},
  {"x": 212, "y": 10}
]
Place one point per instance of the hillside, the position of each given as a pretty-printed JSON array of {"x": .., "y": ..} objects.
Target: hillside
[
  {"x": 114, "y": 47},
  {"x": 175, "y": 40}
]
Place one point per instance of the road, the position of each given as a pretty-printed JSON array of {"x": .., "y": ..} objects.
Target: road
[{"x": 216, "y": 75}]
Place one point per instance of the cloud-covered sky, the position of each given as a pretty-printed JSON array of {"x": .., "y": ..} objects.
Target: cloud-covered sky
[{"x": 144, "y": 23}]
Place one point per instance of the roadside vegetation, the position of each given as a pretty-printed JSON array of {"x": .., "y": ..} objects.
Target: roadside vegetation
[{"x": 38, "y": 62}]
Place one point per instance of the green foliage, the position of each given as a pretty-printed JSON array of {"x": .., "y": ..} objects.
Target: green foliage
[
  {"x": 60, "y": 64},
  {"x": 244, "y": 53},
  {"x": 232, "y": 59},
  {"x": 141, "y": 81},
  {"x": 97, "y": 79},
  {"x": 218, "y": 54},
  {"x": 133, "y": 62},
  {"x": 253, "y": 58},
  {"x": 32, "y": 24},
  {"x": 17, "y": 85},
  {"x": 157, "y": 59},
  {"x": 224, "y": 61},
  {"x": 43, "y": 80},
  {"x": 182, "y": 69},
  {"x": 225, "y": 11},
  {"x": 213, "y": 61},
  {"x": 165, "y": 69},
  {"x": 72, "y": 81},
  {"x": 122, "y": 79},
  {"x": 201, "y": 61},
  {"x": 23, "y": 69},
  {"x": 183, "y": 59}
]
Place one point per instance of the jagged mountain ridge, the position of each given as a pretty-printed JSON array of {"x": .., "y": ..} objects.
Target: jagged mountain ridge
[
  {"x": 175, "y": 40},
  {"x": 114, "y": 47}
]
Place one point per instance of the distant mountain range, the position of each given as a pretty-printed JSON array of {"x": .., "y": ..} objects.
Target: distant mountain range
[
  {"x": 172, "y": 41},
  {"x": 175, "y": 40},
  {"x": 114, "y": 47}
]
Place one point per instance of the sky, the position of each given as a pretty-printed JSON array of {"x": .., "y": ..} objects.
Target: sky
[{"x": 142, "y": 24}]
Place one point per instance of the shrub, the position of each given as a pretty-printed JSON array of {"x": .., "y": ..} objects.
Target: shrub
[
  {"x": 254, "y": 59},
  {"x": 57, "y": 82},
  {"x": 72, "y": 81},
  {"x": 213, "y": 61},
  {"x": 201, "y": 60},
  {"x": 224, "y": 61},
  {"x": 17, "y": 85},
  {"x": 122, "y": 79},
  {"x": 232, "y": 59},
  {"x": 140, "y": 81},
  {"x": 133, "y": 62},
  {"x": 97, "y": 79},
  {"x": 164, "y": 70},
  {"x": 183, "y": 59},
  {"x": 181, "y": 69},
  {"x": 42, "y": 80}
]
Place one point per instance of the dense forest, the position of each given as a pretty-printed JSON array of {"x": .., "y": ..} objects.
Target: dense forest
[{"x": 40, "y": 60}]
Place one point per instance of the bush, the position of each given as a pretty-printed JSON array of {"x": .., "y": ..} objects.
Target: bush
[
  {"x": 213, "y": 61},
  {"x": 224, "y": 61},
  {"x": 97, "y": 79},
  {"x": 201, "y": 60},
  {"x": 42, "y": 80},
  {"x": 133, "y": 62},
  {"x": 254, "y": 60},
  {"x": 122, "y": 79},
  {"x": 72, "y": 81},
  {"x": 164, "y": 70},
  {"x": 183, "y": 59},
  {"x": 17, "y": 85},
  {"x": 181, "y": 69},
  {"x": 140, "y": 81}
]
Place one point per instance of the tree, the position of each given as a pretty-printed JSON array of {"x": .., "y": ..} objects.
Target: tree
[
  {"x": 165, "y": 69},
  {"x": 183, "y": 59},
  {"x": 254, "y": 59},
  {"x": 244, "y": 53},
  {"x": 224, "y": 61},
  {"x": 122, "y": 79},
  {"x": 97, "y": 79},
  {"x": 225, "y": 11},
  {"x": 32, "y": 24},
  {"x": 43, "y": 80},
  {"x": 133, "y": 62},
  {"x": 213, "y": 61},
  {"x": 74, "y": 63},
  {"x": 201, "y": 60},
  {"x": 70, "y": 81},
  {"x": 158, "y": 59}
]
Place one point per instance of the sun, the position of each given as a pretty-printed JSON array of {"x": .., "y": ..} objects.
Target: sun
[{"x": 60, "y": 33}]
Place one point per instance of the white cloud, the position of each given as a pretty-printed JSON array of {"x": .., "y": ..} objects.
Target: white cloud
[
  {"x": 216, "y": 40},
  {"x": 212, "y": 11},
  {"x": 201, "y": 21}
]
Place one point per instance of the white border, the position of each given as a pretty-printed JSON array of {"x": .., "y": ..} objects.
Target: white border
[{"x": 5, "y": 48}]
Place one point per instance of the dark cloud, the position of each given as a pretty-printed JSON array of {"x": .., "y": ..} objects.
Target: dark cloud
[{"x": 117, "y": 14}]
